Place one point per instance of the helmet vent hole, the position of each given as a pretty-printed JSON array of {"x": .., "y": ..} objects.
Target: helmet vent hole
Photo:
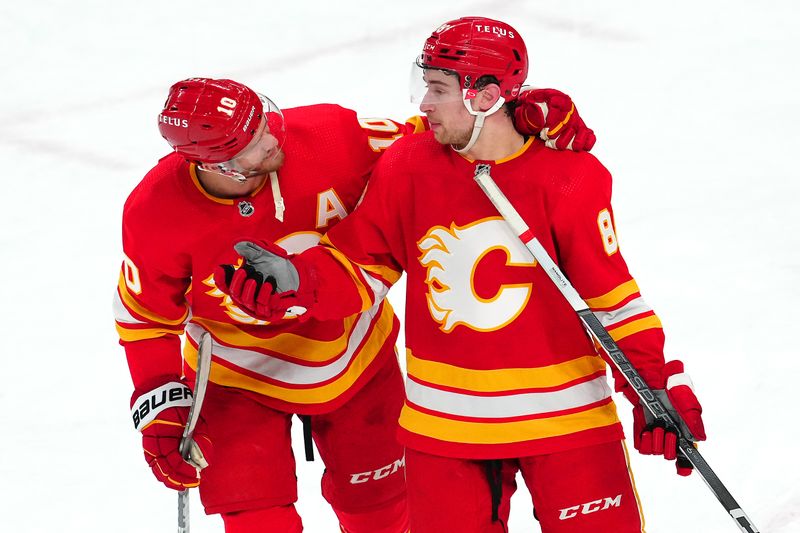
[
  {"x": 516, "y": 54},
  {"x": 515, "y": 72},
  {"x": 206, "y": 126},
  {"x": 461, "y": 52}
]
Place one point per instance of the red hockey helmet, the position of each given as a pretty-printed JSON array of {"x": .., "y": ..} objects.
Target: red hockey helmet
[
  {"x": 477, "y": 46},
  {"x": 211, "y": 121}
]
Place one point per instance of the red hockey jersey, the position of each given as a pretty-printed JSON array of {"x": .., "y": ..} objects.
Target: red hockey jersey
[
  {"x": 498, "y": 363},
  {"x": 175, "y": 234}
]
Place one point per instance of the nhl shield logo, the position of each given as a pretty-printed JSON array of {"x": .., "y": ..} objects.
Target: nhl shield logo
[{"x": 246, "y": 208}]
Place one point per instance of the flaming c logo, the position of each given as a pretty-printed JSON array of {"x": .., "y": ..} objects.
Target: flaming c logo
[{"x": 452, "y": 255}]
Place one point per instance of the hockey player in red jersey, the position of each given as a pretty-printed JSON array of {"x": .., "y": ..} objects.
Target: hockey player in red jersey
[
  {"x": 242, "y": 166},
  {"x": 501, "y": 376}
]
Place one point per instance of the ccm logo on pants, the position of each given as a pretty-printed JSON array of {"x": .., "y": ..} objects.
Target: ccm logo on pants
[
  {"x": 380, "y": 473},
  {"x": 590, "y": 507}
]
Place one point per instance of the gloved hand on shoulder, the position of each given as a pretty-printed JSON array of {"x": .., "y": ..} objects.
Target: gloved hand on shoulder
[{"x": 552, "y": 116}]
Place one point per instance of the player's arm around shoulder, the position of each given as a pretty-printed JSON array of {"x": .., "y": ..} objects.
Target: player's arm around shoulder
[{"x": 350, "y": 271}]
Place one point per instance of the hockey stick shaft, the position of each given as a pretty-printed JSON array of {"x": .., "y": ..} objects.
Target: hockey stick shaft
[
  {"x": 603, "y": 339},
  {"x": 201, "y": 381}
]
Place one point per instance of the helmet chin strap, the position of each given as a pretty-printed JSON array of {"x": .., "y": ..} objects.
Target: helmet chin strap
[{"x": 480, "y": 116}]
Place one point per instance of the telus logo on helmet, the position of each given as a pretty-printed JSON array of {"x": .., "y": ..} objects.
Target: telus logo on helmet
[
  {"x": 180, "y": 122},
  {"x": 502, "y": 32}
]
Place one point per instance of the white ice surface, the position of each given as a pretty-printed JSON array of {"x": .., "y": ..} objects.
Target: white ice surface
[{"x": 696, "y": 109}]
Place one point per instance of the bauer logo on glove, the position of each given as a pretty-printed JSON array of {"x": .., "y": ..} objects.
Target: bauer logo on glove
[{"x": 149, "y": 405}]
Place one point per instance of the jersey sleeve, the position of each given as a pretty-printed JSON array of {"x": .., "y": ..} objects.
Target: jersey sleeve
[
  {"x": 150, "y": 304},
  {"x": 359, "y": 259},
  {"x": 589, "y": 254},
  {"x": 381, "y": 133}
]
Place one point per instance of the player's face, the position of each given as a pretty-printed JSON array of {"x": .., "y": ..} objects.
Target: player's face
[
  {"x": 260, "y": 157},
  {"x": 443, "y": 104}
]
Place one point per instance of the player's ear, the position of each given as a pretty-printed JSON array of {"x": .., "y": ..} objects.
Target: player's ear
[{"x": 488, "y": 96}]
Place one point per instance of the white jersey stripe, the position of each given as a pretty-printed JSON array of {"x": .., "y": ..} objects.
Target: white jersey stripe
[
  {"x": 507, "y": 405},
  {"x": 635, "y": 307},
  {"x": 378, "y": 288},
  {"x": 123, "y": 316},
  {"x": 286, "y": 371},
  {"x": 121, "y": 313}
]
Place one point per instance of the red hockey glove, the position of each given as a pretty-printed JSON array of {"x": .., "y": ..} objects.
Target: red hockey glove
[
  {"x": 650, "y": 436},
  {"x": 268, "y": 284},
  {"x": 552, "y": 116},
  {"x": 161, "y": 413}
]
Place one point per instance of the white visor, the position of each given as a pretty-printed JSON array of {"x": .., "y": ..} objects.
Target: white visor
[{"x": 433, "y": 86}]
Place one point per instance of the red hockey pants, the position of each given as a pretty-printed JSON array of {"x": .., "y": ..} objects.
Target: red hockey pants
[
  {"x": 585, "y": 490},
  {"x": 252, "y": 478}
]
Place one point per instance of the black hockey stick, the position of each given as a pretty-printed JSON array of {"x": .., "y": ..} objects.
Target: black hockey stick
[
  {"x": 200, "y": 383},
  {"x": 603, "y": 339}
]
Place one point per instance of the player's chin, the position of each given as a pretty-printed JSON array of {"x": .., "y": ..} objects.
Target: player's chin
[
  {"x": 442, "y": 136},
  {"x": 456, "y": 139},
  {"x": 273, "y": 162}
]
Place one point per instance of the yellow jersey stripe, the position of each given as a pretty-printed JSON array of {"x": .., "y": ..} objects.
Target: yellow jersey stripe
[
  {"x": 196, "y": 181},
  {"x": 512, "y": 156},
  {"x": 518, "y": 152},
  {"x": 227, "y": 377},
  {"x": 131, "y": 335},
  {"x": 502, "y": 380},
  {"x": 648, "y": 322},
  {"x": 419, "y": 124},
  {"x": 289, "y": 344},
  {"x": 131, "y": 303},
  {"x": 633, "y": 485},
  {"x": 363, "y": 292},
  {"x": 389, "y": 274},
  {"x": 224, "y": 201},
  {"x": 460, "y": 431},
  {"x": 613, "y": 297}
]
